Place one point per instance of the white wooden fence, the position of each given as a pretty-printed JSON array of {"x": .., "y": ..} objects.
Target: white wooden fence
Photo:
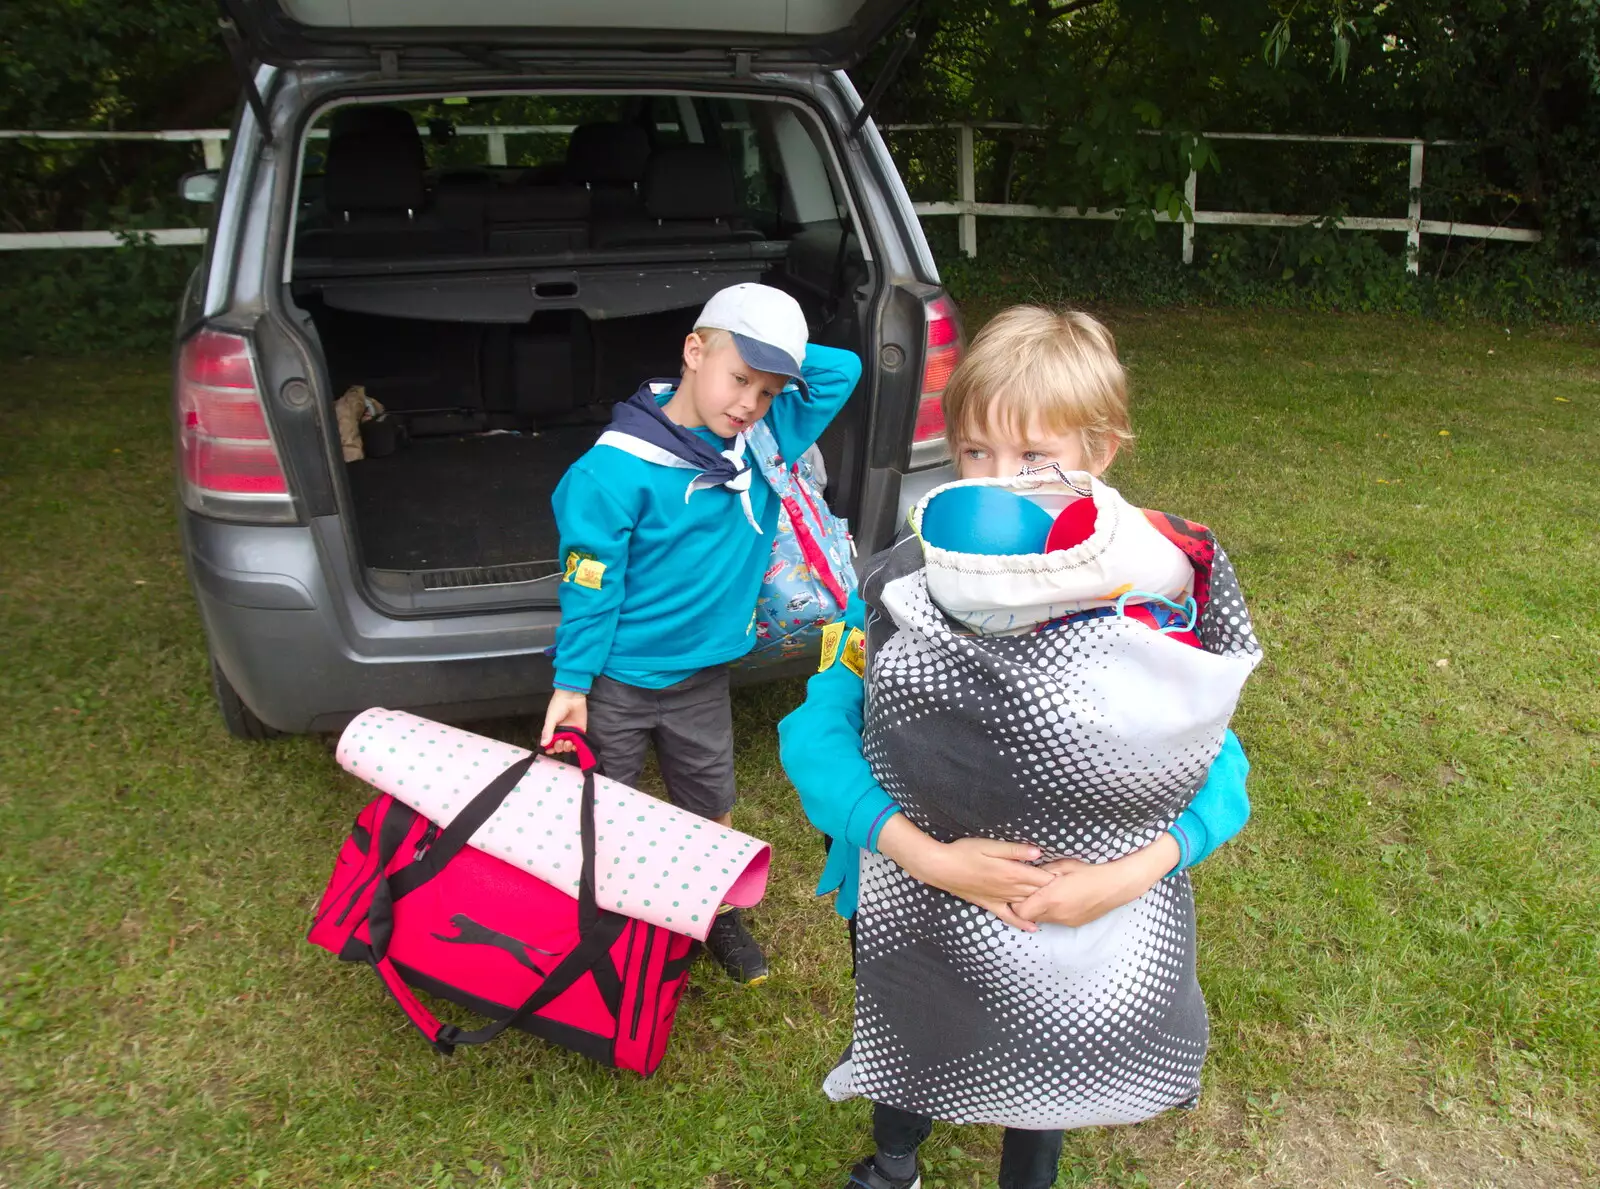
[
  {"x": 211, "y": 141},
  {"x": 1413, "y": 224},
  {"x": 965, "y": 208}
]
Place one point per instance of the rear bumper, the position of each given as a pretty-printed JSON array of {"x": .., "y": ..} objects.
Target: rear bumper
[{"x": 306, "y": 656}]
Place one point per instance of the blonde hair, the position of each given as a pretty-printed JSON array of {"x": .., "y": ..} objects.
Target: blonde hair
[
  {"x": 714, "y": 338},
  {"x": 1030, "y": 366}
]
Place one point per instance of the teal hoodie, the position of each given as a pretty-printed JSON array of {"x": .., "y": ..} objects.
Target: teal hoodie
[{"x": 657, "y": 586}]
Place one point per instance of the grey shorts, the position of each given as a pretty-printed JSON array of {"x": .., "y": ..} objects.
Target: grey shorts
[{"x": 692, "y": 725}]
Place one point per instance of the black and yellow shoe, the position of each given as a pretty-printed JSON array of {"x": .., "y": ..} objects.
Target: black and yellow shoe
[
  {"x": 867, "y": 1175},
  {"x": 729, "y": 943}
]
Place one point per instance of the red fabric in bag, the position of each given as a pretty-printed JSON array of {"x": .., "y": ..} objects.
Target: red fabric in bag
[{"x": 471, "y": 928}]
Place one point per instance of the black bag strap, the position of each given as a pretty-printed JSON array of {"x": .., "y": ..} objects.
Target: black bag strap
[
  {"x": 594, "y": 948},
  {"x": 676, "y": 968},
  {"x": 588, "y": 908},
  {"x": 467, "y": 823},
  {"x": 598, "y": 931},
  {"x": 588, "y": 955}
]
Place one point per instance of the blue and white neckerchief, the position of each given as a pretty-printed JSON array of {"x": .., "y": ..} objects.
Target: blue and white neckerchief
[{"x": 639, "y": 427}]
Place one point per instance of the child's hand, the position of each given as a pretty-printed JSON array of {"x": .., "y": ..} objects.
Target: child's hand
[
  {"x": 1078, "y": 893},
  {"x": 993, "y": 875},
  {"x": 980, "y": 871},
  {"x": 567, "y": 709},
  {"x": 1083, "y": 892}
]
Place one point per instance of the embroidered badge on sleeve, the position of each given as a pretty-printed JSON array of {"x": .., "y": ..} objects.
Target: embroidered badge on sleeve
[
  {"x": 583, "y": 569},
  {"x": 831, "y": 635},
  {"x": 855, "y": 653},
  {"x": 844, "y": 648}
]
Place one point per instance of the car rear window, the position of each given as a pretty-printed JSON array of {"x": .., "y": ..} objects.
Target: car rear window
[{"x": 519, "y": 174}]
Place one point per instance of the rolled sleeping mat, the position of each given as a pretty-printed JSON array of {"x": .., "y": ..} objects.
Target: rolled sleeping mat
[{"x": 653, "y": 861}]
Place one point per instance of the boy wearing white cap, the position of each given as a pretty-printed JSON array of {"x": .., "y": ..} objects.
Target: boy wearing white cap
[{"x": 666, "y": 531}]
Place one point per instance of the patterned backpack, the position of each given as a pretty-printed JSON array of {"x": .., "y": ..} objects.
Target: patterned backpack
[{"x": 811, "y": 573}]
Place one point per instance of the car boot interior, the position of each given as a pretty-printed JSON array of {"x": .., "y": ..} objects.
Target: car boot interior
[{"x": 496, "y": 296}]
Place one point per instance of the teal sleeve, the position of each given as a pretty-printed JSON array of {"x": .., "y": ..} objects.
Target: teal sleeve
[
  {"x": 798, "y": 418},
  {"x": 1220, "y": 808},
  {"x": 819, "y": 744},
  {"x": 594, "y": 526}
]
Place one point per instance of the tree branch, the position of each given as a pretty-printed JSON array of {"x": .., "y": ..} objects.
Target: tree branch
[{"x": 1045, "y": 11}]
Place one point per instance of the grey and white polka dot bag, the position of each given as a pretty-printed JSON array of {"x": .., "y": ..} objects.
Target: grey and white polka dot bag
[{"x": 1085, "y": 734}]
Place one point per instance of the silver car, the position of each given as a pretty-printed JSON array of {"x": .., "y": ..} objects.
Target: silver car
[{"x": 441, "y": 250}]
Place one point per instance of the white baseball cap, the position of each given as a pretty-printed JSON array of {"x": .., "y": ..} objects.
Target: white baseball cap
[{"x": 767, "y": 325}]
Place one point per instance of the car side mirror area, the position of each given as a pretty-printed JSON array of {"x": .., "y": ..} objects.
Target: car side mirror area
[{"x": 200, "y": 186}]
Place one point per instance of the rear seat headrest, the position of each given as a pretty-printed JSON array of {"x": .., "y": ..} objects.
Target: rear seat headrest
[
  {"x": 371, "y": 117},
  {"x": 690, "y": 182},
  {"x": 375, "y": 161},
  {"x": 610, "y": 154}
]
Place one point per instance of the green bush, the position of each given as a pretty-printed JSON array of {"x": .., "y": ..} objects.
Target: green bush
[
  {"x": 77, "y": 302},
  {"x": 1316, "y": 267}
]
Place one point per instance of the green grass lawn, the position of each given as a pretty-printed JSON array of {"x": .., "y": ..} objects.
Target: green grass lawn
[{"x": 1400, "y": 952}]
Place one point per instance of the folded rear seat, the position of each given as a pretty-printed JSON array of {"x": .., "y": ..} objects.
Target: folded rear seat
[
  {"x": 374, "y": 192},
  {"x": 461, "y": 198},
  {"x": 531, "y": 217},
  {"x": 690, "y": 196}
]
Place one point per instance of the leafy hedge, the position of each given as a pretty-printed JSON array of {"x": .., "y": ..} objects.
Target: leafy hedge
[
  {"x": 1311, "y": 268},
  {"x": 89, "y": 301}
]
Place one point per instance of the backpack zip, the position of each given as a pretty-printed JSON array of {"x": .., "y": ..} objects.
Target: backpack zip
[
  {"x": 423, "y": 843},
  {"x": 644, "y": 978}
]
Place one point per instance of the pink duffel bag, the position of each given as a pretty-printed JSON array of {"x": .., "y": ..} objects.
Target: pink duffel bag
[{"x": 429, "y": 912}]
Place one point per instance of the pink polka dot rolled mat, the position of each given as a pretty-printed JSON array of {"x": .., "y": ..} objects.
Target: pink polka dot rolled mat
[{"x": 654, "y": 861}]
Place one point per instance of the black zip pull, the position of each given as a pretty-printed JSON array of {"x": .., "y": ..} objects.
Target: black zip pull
[{"x": 425, "y": 842}]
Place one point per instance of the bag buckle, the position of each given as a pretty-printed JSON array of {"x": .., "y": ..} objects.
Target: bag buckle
[{"x": 444, "y": 1042}]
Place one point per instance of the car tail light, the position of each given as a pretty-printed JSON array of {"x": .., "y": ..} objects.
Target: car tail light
[
  {"x": 944, "y": 345},
  {"x": 229, "y": 464}
]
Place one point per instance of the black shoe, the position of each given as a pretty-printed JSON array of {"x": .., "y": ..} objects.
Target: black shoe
[
  {"x": 730, "y": 943},
  {"x": 867, "y": 1175}
]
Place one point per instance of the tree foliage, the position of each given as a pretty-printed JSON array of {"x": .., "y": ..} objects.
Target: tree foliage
[
  {"x": 1122, "y": 88},
  {"x": 1120, "y": 91},
  {"x": 103, "y": 65}
]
